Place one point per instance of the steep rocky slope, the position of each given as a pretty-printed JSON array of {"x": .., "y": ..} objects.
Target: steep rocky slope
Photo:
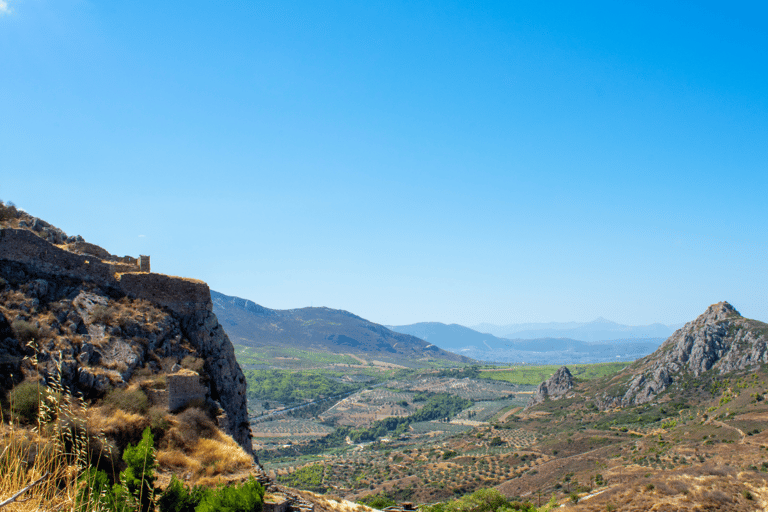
[
  {"x": 720, "y": 340},
  {"x": 94, "y": 321}
]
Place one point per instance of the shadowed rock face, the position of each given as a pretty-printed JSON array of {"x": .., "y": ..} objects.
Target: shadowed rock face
[
  {"x": 554, "y": 388},
  {"x": 720, "y": 340}
]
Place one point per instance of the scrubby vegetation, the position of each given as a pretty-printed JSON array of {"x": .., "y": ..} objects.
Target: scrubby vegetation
[
  {"x": 62, "y": 465},
  {"x": 487, "y": 500},
  {"x": 294, "y": 387}
]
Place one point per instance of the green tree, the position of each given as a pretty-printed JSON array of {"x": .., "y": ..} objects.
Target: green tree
[
  {"x": 247, "y": 497},
  {"x": 137, "y": 481}
]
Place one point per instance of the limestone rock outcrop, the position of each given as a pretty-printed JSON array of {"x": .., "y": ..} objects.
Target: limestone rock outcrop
[
  {"x": 720, "y": 340},
  {"x": 98, "y": 322},
  {"x": 554, "y": 388}
]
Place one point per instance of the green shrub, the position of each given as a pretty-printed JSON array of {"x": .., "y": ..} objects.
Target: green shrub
[
  {"x": 95, "y": 492},
  {"x": 134, "y": 401},
  {"x": 25, "y": 331},
  {"x": 135, "y": 490},
  {"x": 378, "y": 501},
  {"x": 25, "y": 400},
  {"x": 246, "y": 497},
  {"x": 178, "y": 498},
  {"x": 485, "y": 500},
  {"x": 137, "y": 481}
]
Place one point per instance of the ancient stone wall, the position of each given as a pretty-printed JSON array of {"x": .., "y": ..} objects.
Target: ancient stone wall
[
  {"x": 128, "y": 260},
  {"x": 180, "y": 295},
  {"x": 183, "y": 296},
  {"x": 144, "y": 263},
  {"x": 24, "y": 246},
  {"x": 89, "y": 249},
  {"x": 183, "y": 388}
]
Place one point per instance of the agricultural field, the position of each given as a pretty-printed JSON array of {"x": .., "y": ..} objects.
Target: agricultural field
[
  {"x": 377, "y": 446},
  {"x": 272, "y": 434},
  {"x": 290, "y": 358},
  {"x": 534, "y": 375}
]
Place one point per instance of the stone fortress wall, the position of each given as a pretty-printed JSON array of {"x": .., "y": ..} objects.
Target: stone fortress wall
[{"x": 84, "y": 261}]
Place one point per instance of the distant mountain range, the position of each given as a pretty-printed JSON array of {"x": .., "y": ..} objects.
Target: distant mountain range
[
  {"x": 543, "y": 350},
  {"x": 340, "y": 332},
  {"x": 321, "y": 330},
  {"x": 599, "y": 329}
]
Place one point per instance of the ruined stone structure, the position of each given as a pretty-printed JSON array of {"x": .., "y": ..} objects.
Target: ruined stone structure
[
  {"x": 180, "y": 295},
  {"x": 184, "y": 387},
  {"x": 143, "y": 263}
]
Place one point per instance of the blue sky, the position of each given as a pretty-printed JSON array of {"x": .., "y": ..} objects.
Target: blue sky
[{"x": 407, "y": 161}]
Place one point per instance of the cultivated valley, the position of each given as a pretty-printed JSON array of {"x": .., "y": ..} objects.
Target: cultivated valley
[{"x": 157, "y": 393}]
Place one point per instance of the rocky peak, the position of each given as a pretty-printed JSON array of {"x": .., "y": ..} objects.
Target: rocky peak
[
  {"x": 720, "y": 339},
  {"x": 554, "y": 388}
]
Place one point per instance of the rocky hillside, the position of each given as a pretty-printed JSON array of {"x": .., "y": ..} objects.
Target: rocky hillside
[
  {"x": 554, "y": 388},
  {"x": 720, "y": 340},
  {"x": 72, "y": 313},
  {"x": 322, "y": 330}
]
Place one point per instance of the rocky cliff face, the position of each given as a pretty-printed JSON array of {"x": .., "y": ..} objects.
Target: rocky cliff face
[
  {"x": 96, "y": 323},
  {"x": 720, "y": 340},
  {"x": 554, "y": 388}
]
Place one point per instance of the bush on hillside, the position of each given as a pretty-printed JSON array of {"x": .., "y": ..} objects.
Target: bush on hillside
[
  {"x": 487, "y": 500},
  {"x": 137, "y": 481},
  {"x": 129, "y": 400},
  {"x": 8, "y": 211},
  {"x": 102, "y": 315},
  {"x": 25, "y": 331},
  {"x": 378, "y": 501},
  {"x": 246, "y": 497}
]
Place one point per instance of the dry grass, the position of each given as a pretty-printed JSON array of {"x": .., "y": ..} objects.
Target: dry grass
[
  {"x": 25, "y": 458},
  {"x": 54, "y": 452},
  {"x": 693, "y": 489},
  {"x": 325, "y": 503},
  {"x": 195, "y": 447},
  {"x": 122, "y": 427}
]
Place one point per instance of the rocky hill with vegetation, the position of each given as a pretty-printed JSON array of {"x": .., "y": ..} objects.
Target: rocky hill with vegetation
[
  {"x": 322, "y": 330},
  {"x": 720, "y": 340},
  {"x": 96, "y": 354}
]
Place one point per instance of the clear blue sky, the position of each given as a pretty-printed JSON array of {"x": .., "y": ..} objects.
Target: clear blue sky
[{"x": 407, "y": 161}]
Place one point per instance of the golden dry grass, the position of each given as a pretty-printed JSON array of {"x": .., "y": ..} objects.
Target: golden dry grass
[
  {"x": 56, "y": 491},
  {"x": 49, "y": 456},
  {"x": 202, "y": 459}
]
